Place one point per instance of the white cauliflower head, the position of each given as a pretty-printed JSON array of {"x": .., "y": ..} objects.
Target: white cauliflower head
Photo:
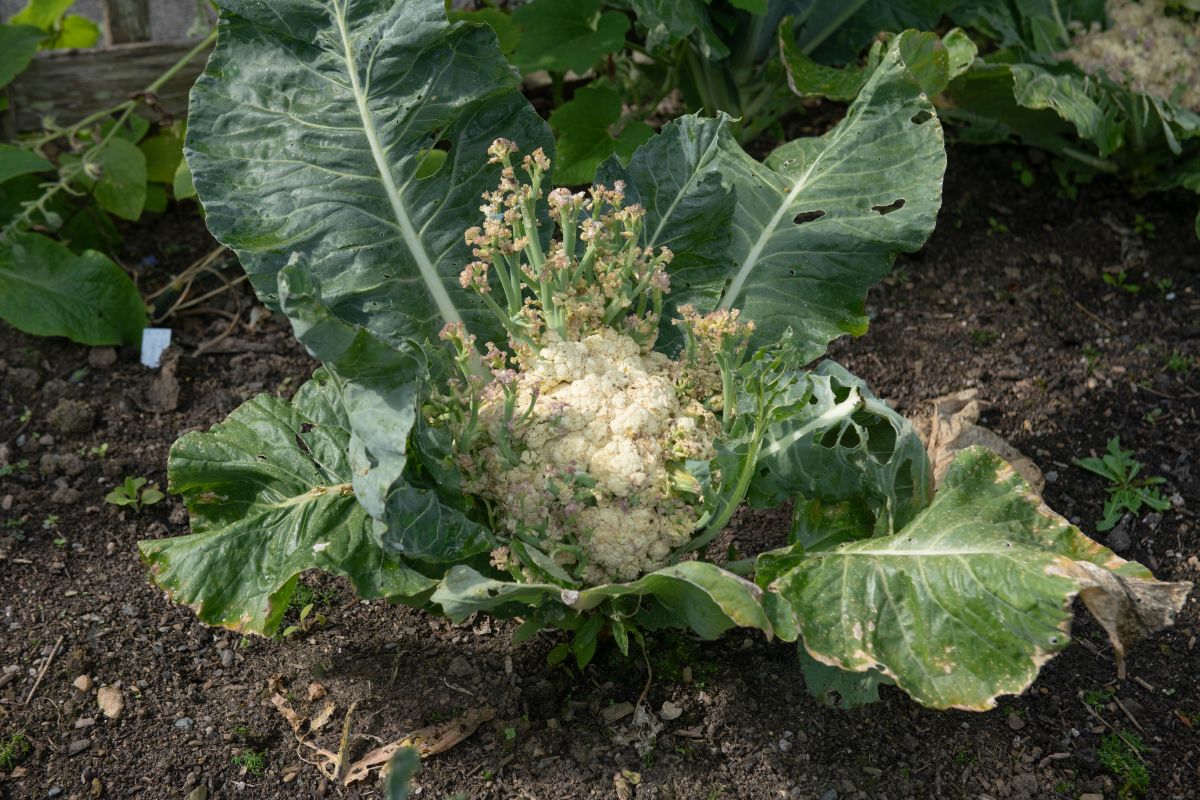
[
  {"x": 1144, "y": 49},
  {"x": 581, "y": 451},
  {"x": 597, "y": 453}
]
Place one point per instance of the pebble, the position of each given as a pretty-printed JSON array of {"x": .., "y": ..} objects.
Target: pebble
[
  {"x": 226, "y": 658},
  {"x": 616, "y": 711},
  {"x": 84, "y": 722},
  {"x": 110, "y": 700},
  {"x": 185, "y": 723},
  {"x": 83, "y": 683},
  {"x": 1091, "y": 796},
  {"x": 830, "y": 794},
  {"x": 1014, "y": 721},
  {"x": 1051, "y": 476},
  {"x": 55, "y": 791},
  {"x": 669, "y": 711},
  {"x": 460, "y": 667},
  {"x": 78, "y": 746}
]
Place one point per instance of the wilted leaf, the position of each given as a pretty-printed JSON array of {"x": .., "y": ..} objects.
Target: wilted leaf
[
  {"x": 969, "y": 600},
  {"x": 268, "y": 491}
]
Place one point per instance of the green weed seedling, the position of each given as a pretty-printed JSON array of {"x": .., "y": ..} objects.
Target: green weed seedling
[
  {"x": 16, "y": 468},
  {"x": 1120, "y": 280},
  {"x": 1126, "y": 491},
  {"x": 1143, "y": 227},
  {"x": 252, "y": 761},
  {"x": 1178, "y": 363},
  {"x": 13, "y": 749},
  {"x": 1023, "y": 174},
  {"x": 1120, "y": 755},
  {"x": 134, "y": 492}
]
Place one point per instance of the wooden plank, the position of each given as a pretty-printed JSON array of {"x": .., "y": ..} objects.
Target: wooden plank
[
  {"x": 126, "y": 21},
  {"x": 70, "y": 84}
]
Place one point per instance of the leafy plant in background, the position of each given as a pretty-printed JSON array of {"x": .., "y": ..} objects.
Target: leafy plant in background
[
  {"x": 1126, "y": 491},
  {"x": 627, "y": 59},
  {"x": 60, "y": 189},
  {"x": 379, "y": 467},
  {"x": 1096, "y": 83}
]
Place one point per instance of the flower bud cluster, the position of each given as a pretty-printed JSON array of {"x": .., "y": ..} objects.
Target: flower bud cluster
[{"x": 579, "y": 438}]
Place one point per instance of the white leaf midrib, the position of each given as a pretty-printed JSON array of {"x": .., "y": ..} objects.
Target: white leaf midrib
[{"x": 429, "y": 273}]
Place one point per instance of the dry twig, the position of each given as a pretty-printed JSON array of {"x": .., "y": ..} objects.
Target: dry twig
[{"x": 45, "y": 666}]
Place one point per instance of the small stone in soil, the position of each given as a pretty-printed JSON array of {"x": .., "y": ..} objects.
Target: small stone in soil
[
  {"x": 1014, "y": 721},
  {"x": 184, "y": 723},
  {"x": 669, "y": 711},
  {"x": 83, "y": 683},
  {"x": 78, "y": 746},
  {"x": 110, "y": 700},
  {"x": 616, "y": 711}
]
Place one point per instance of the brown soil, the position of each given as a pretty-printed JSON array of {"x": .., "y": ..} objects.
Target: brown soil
[{"x": 1008, "y": 296}]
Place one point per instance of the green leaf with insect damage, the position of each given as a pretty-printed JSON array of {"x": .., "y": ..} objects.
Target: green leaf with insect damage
[
  {"x": 972, "y": 597},
  {"x": 268, "y": 492}
]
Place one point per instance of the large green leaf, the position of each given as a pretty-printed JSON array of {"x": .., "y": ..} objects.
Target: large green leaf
[
  {"x": 16, "y": 161},
  {"x": 809, "y": 234},
  {"x": 306, "y": 133},
  {"x": 561, "y": 35},
  {"x": 844, "y": 453},
  {"x": 971, "y": 598},
  {"x": 269, "y": 495},
  {"x": 693, "y": 594},
  {"x": 47, "y": 290},
  {"x": 383, "y": 386},
  {"x": 18, "y": 43},
  {"x": 590, "y": 129}
]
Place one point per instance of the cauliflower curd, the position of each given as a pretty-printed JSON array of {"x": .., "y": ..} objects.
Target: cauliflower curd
[
  {"x": 1144, "y": 49},
  {"x": 582, "y": 439}
]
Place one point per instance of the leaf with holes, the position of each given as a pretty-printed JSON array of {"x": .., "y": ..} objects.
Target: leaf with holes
[
  {"x": 969, "y": 599},
  {"x": 809, "y": 233}
]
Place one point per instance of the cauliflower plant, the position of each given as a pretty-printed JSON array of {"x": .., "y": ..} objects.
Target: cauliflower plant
[
  {"x": 1144, "y": 49},
  {"x": 581, "y": 438}
]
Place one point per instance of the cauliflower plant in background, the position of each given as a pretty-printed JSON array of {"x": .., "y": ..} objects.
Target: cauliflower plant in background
[
  {"x": 551, "y": 418},
  {"x": 1143, "y": 48}
]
